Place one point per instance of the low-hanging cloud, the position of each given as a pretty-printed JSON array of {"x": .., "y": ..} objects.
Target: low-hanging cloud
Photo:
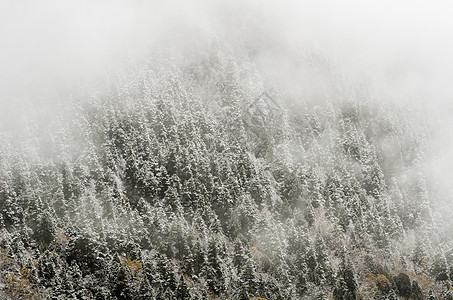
[{"x": 400, "y": 50}]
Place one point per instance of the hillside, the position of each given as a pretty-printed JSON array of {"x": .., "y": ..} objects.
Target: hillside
[
  {"x": 198, "y": 174},
  {"x": 196, "y": 181}
]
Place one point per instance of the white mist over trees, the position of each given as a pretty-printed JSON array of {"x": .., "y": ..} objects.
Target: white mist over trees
[{"x": 225, "y": 150}]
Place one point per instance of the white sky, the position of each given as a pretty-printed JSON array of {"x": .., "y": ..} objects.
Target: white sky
[{"x": 403, "y": 49}]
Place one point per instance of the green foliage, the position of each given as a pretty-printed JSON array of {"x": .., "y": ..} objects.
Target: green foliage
[
  {"x": 346, "y": 285},
  {"x": 403, "y": 283},
  {"x": 417, "y": 293},
  {"x": 192, "y": 180},
  {"x": 440, "y": 268}
]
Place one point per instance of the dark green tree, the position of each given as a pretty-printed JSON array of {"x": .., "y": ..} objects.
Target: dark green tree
[{"x": 346, "y": 285}]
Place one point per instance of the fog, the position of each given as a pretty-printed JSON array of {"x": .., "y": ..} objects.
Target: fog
[
  {"x": 239, "y": 149},
  {"x": 399, "y": 50},
  {"x": 404, "y": 45}
]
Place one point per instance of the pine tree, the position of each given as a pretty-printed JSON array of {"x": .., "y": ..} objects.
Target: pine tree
[
  {"x": 214, "y": 275},
  {"x": 440, "y": 268},
  {"x": 419, "y": 255},
  {"x": 182, "y": 291},
  {"x": 346, "y": 285},
  {"x": 403, "y": 284},
  {"x": 45, "y": 232},
  {"x": 166, "y": 274},
  {"x": 199, "y": 260},
  {"x": 323, "y": 269},
  {"x": 248, "y": 277}
]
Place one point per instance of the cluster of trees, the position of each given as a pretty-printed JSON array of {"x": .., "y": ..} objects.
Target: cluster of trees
[{"x": 195, "y": 181}]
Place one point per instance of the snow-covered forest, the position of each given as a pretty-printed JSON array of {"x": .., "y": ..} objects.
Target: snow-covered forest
[{"x": 192, "y": 170}]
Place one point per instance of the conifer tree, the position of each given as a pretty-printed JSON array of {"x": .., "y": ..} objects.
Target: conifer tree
[
  {"x": 214, "y": 275},
  {"x": 346, "y": 285}
]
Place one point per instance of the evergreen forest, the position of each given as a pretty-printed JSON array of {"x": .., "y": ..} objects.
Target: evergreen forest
[{"x": 190, "y": 173}]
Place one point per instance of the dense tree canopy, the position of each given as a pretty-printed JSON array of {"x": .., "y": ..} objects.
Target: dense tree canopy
[{"x": 194, "y": 179}]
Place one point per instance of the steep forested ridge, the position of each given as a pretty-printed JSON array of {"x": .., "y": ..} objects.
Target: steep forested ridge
[{"x": 195, "y": 179}]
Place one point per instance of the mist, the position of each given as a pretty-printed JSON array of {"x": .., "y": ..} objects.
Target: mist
[
  {"x": 61, "y": 60},
  {"x": 398, "y": 51},
  {"x": 399, "y": 44}
]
